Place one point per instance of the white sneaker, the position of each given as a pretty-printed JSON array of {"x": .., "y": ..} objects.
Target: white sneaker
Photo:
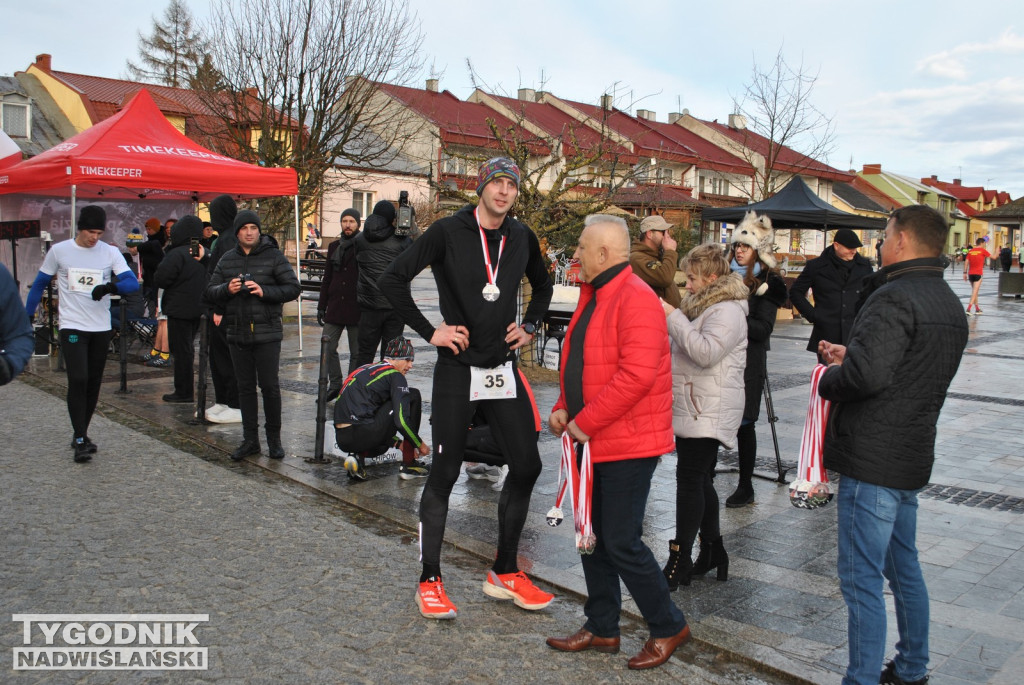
[
  {"x": 483, "y": 471},
  {"x": 500, "y": 483},
  {"x": 215, "y": 410},
  {"x": 226, "y": 415}
]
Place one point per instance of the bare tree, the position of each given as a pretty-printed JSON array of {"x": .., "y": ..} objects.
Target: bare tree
[
  {"x": 170, "y": 55},
  {"x": 777, "y": 105},
  {"x": 294, "y": 85}
]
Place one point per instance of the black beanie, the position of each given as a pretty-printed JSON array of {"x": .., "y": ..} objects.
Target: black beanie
[
  {"x": 92, "y": 218},
  {"x": 385, "y": 209},
  {"x": 354, "y": 213},
  {"x": 246, "y": 216}
]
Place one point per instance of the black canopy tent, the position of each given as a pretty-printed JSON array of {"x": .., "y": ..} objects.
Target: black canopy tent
[{"x": 796, "y": 206}]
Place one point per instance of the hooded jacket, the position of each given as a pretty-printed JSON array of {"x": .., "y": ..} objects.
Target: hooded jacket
[
  {"x": 377, "y": 247},
  {"x": 181, "y": 276},
  {"x": 249, "y": 319},
  {"x": 709, "y": 352},
  {"x": 907, "y": 343},
  {"x": 836, "y": 295}
]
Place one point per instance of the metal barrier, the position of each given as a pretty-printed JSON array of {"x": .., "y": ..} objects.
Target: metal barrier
[{"x": 321, "y": 404}]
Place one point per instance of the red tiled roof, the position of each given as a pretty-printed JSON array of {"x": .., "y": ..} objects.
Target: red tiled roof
[
  {"x": 649, "y": 194},
  {"x": 960, "y": 192},
  {"x": 459, "y": 122},
  {"x": 647, "y": 141},
  {"x": 109, "y": 95},
  {"x": 711, "y": 156},
  {"x": 788, "y": 159}
]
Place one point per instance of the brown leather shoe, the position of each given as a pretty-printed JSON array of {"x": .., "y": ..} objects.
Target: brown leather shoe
[
  {"x": 657, "y": 650},
  {"x": 584, "y": 640}
]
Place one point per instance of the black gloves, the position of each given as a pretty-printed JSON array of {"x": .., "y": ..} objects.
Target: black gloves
[
  {"x": 320, "y": 317},
  {"x": 106, "y": 289}
]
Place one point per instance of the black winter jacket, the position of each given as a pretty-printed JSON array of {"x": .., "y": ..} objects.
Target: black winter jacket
[
  {"x": 452, "y": 248},
  {"x": 906, "y": 346},
  {"x": 338, "y": 289},
  {"x": 182, "y": 277},
  {"x": 835, "y": 297},
  {"x": 222, "y": 215},
  {"x": 151, "y": 253},
  {"x": 761, "y": 316},
  {"x": 377, "y": 247},
  {"x": 249, "y": 319}
]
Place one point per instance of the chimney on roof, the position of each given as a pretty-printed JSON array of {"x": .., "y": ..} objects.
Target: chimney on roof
[
  {"x": 432, "y": 85},
  {"x": 935, "y": 178},
  {"x": 606, "y": 102},
  {"x": 956, "y": 181},
  {"x": 872, "y": 168},
  {"x": 43, "y": 62},
  {"x": 673, "y": 117},
  {"x": 737, "y": 121},
  {"x": 646, "y": 114},
  {"x": 527, "y": 95}
]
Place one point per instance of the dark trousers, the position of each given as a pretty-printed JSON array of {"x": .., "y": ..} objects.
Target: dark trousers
[
  {"x": 85, "y": 355},
  {"x": 225, "y": 387},
  {"x": 333, "y": 332},
  {"x": 377, "y": 327},
  {"x": 619, "y": 501},
  {"x": 514, "y": 430},
  {"x": 181, "y": 339},
  {"x": 258, "y": 363},
  {"x": 376, "y": 435},
  {"x": 696, "y": 498}
]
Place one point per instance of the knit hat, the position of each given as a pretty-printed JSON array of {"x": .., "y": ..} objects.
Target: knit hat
[
  {"x": 92, "y": 218},
  {"x": 756, "y": 231},
  {"x": 246, "y": 216},
  {"x": 354, "y": 213},
  {"x": 399, "y": 348},
  {"x": 153, "y": 224},
  {"x": 847, "y": 238},
  {"x": 496, "y": 168},
  {"x": 385, "y": 209},
  {"x": 654, "y": 223}
]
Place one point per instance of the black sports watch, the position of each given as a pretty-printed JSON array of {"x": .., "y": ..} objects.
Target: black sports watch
[{"x": 529, "y": 327}]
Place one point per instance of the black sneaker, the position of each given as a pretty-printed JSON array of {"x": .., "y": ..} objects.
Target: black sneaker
[
  {"x": 248, "y": 448},
  {"x": 88, "y": 443},
  {"x": 416, "y": 469},
  {"x": 889, "y": 677},
  {"x": 175, "y": 398},
  {"x": 82, "y": 453}
]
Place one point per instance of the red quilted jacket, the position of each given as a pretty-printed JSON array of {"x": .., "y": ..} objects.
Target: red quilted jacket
[{"x": 627, "y": 372}]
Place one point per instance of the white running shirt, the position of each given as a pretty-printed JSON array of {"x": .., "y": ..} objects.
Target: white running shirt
[{"x": 79, "y": 270}]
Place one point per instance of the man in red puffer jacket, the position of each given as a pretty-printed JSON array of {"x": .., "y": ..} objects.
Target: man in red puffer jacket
[{"x": 616, "y": 380}]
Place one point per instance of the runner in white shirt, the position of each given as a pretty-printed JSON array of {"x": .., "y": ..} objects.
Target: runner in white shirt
[{"x": 88, "y": 272}]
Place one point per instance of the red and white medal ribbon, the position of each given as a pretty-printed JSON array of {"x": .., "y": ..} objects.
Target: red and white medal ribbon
[
  {"x": 490, "y": 290},
  {"x": 579, "y": 484},
  {"x": 811, "y": 488}
]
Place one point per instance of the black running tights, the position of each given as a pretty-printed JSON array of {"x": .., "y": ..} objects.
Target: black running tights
[{"x": 85, "y": 355}]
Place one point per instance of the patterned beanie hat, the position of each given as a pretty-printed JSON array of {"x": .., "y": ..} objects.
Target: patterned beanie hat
[
  {"x": 756, "y": 231},
  {"x": 399, "y": 348},
  {"x": 496, "y": 168}
]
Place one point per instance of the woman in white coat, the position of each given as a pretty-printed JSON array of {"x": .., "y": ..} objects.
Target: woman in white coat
[{"x": 709, "y": 345}]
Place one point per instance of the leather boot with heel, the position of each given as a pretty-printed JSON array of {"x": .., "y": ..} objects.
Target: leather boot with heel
[
  {"x": 678, "y": 567},
  {"x": 712, "y": 556}
]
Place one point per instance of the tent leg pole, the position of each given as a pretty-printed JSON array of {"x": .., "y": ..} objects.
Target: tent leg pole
[{"x": 298, "y": 268}]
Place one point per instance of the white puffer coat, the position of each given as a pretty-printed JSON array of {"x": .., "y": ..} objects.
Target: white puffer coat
[{"x": 709, "y": 351}]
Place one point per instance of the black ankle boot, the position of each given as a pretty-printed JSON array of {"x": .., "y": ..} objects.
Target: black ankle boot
[
  {"x": 274, "y": 447},
  {"x": 677, "y": 568},
  {"x": 249, "y": 447},
  {"x": 743, "y": 495},
  {"x": 712, "y": 555}
]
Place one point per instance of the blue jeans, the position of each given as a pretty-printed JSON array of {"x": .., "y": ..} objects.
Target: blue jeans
[
  {"x": 877, "y": 540},
  {"x": 619, "y": 500}
]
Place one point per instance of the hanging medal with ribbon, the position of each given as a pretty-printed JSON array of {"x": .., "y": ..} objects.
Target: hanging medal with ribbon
[
  {"x": 578, "y": 484},
  {"x": 490, "y": 291}
]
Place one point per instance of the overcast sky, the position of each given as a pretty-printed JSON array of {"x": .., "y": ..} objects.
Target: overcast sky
[{"x": 921, "y": 88}]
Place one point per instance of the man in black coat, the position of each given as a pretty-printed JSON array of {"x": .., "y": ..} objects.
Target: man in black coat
[
  {"x": 337, "y": 310},
  {"x": 183, "y": 280},
  {"x": 836, "y": 277},
  {"x": 887, "y": 387},
  {"x": 252, "y": 282},
  {"x": 225, "y": 388},
  {"x": 377, "y": 247}
]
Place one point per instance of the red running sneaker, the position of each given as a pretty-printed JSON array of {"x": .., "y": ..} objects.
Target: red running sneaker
[
  {"x": 517, "y": 587},
  {"x": 433, "y": 601}
]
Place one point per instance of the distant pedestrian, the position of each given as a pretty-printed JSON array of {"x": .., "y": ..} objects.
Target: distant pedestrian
[
  {"x": 226, "y": 408},
  {"x": 338, "y": 310},
  {"x": 377, "y": 247},
  {"x": 252, "y": 282},
  {"x": 836, "y": 279},
  {"x": 974, "y": 269},
  {"x": 887, "y": 387},
  {"x": 654, "y": 258},
  {"x": 17, "y": 340},
  {"x": 878, "y": 253},
  {"x": 88, "y": 272},
  {"x": 1006, "y": 258}
]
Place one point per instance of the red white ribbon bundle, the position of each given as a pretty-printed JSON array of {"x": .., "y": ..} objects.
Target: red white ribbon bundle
[
  {"x": 811, "y": 488},
  {"x": 579, "y": 483}
]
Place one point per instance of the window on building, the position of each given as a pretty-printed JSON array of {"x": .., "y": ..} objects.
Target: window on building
[
  {"x": 455, "y": 165},
  {"x": 664, "y": 175},
  {"x": 943, "y": 205},
  {"x": 362, "y": 201},
  {"x": 15, "y": 118}
]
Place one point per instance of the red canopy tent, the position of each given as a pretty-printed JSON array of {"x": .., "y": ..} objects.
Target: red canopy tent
[{"x": 139, "y": 153}]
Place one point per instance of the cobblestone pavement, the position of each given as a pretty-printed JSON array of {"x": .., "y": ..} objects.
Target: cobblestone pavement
[{"x": 781, "y": 606}]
